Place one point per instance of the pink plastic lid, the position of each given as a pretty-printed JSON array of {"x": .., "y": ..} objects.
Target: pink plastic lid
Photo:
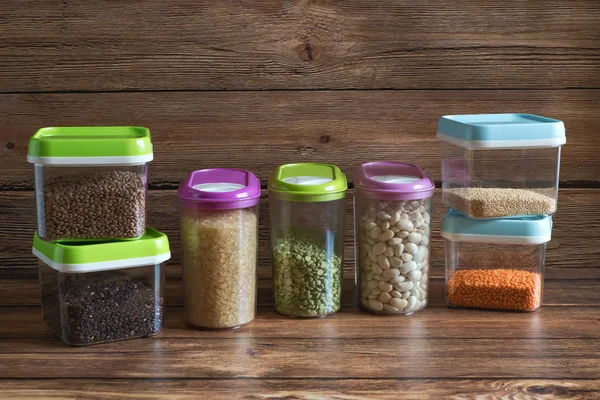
[
  {"x": 385, "y": 180},
  {"x": 220, "y": 189}
]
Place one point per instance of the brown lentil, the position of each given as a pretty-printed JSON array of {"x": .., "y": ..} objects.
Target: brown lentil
[
  {"x": 496, "y": 202},
  {"x": 504, "y": 289},
  {"x": 95, "y": 205}
]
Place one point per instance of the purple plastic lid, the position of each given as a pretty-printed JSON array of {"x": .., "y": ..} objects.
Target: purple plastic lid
[
  {"x": 393, "y": 181},
  {"x": 220, "y": 189}
]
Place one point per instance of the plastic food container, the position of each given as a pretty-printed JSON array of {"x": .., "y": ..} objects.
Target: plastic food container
[
  {"x": 219, "y": 230},
  {"x": 392, "y": 214},
  {"x": 495, "y": 264},
  {"x": 102, "y": 292},
  {"x": 90, "y": 182},
  {"x": 306, "y": 203},
  {"x": 500, "y": 165}
]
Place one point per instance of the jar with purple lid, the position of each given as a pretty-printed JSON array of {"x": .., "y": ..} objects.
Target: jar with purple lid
[
  {"x": 219, "y": 231},
  {"x": 392, "y": 213}
]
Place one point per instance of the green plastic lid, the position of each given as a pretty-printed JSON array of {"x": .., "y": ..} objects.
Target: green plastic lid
[
  {"x": 308, "y": 182},
  {"x": 97, "y": 145},
  {"x": 152, "y": 248}
]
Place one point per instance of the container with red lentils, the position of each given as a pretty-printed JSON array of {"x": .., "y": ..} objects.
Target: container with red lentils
[{"x": 495, "y": 264}]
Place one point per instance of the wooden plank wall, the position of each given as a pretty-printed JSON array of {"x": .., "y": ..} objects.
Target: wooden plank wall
[{"x": 256, "y": 84}]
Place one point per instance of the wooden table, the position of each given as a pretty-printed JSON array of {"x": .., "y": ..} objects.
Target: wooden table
[{"x": 436, "y": 353}]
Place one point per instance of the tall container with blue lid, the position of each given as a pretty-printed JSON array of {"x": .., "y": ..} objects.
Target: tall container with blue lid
[
  {"x": 500, "y": 165},
  {"x": 495, "y": 263}
]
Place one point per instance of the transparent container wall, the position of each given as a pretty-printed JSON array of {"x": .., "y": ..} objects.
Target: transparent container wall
[
  {"x": 92, "y": 203},
  {"x": 392, "y": 242},
  {"x": 219, "y": 266},
  {"x": 100, "y": 307},
  {"x": 500, "y": 183},
  {"x": 307, "y": 241},
  {"x": 494, "y": 276}
]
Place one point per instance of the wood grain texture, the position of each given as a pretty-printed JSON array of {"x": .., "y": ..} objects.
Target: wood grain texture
[
  {"x": 99, "y": 45},
  {"x": 261, "y": 130},
  {"x": 351, "y": 323},
  {"x": 357, "y": 389},
  {"x": 303, "y": 358}
]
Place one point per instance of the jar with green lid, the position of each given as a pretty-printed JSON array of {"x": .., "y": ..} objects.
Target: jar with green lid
[
  {"x": 306, "y": 203},
  {"x": 91, "y": 182}
]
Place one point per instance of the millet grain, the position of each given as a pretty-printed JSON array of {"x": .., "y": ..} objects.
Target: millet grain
[{"x": 496, "y": 202}]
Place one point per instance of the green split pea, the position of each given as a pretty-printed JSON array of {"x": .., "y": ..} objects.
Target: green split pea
[{"x": 307, "y": 279}]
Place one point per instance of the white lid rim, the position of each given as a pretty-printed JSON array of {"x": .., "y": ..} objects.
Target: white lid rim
[
  {"x": 104, "y": 160},
  {"x": 502, "y": 144},
  {"x": 496, "y": 239},
  {"x": 102, "y": 265}
]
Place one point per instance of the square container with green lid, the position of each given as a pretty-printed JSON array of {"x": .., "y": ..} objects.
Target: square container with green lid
[
  {"x": 100, "y": 292},
  {"x": 91, "y": 182},
  {"x": 500, "y": 165},
  {"x": 306, "y": 203}
]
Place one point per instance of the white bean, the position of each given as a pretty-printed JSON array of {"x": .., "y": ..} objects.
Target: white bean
[
  {"x": 395, "y": 241},
  {"x": 415, "y": 237},
  {"x": 398, "y": 303},
  {"x": 384, "y": 216},
  {"x": 372, "y": 284},
  {"x": 385, "y": 287},
  {"x": 385, "y": 226},
  {"x": 410, "y": 247},
  {"x": 375, "y": 232},
  {"x": 406, "y": 257},
  {"x": 404, "y": 286},
  {"x": 375, "y": 305},
  {"x": 397, "y": 279},
  {"x": 383, "y": 262},
  {"x": 414, "y": 275},
  {"x": 413, "y": 304},
  {"x": 389, "y": 308},
  {"x": 396, "y": 262},
  {"x": 377, "y": 269},
  {"x": 408, "y": 266},
  {"x": 405, "y": 225},
  {"x": 391, "y": 273},
  {"x": 387, "y": 235},
  {"x": 369, "y": 225},
  {"x": 379, "y": 248},
  {"x": 384, "y": 297},
  {"x": 395, "y": 294}
]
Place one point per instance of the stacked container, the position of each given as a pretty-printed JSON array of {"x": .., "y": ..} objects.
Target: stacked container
[
  {"x": 306, "y": 203},
  {"x": 500, "y": 176},
  {"x": 219, "y": 230},
  {"x": 392, "y": 217},
  {"x": 97, "y": 257}
]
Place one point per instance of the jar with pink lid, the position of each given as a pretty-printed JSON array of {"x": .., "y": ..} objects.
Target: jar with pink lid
[{"x": 392, "y": 213}]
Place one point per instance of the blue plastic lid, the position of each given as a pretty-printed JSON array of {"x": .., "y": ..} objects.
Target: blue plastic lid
[
  {"x": 525, "y": 230},
  {"x": 501, "y": 131}
]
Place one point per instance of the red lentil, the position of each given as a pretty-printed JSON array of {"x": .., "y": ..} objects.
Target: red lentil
[{"x": 505, "y": 289}]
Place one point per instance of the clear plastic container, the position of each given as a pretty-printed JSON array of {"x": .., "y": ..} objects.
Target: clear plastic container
[
  {"x": 500, "y": 165},
  {"x": 392, "y": 213},
  {"x": 495, "y": 264},
  {"x": 219, "y": 231},
  {"x": 91, "y": 182},
  {"x": 103, "y": 292},
  {"x": 306, "y": 203}
]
